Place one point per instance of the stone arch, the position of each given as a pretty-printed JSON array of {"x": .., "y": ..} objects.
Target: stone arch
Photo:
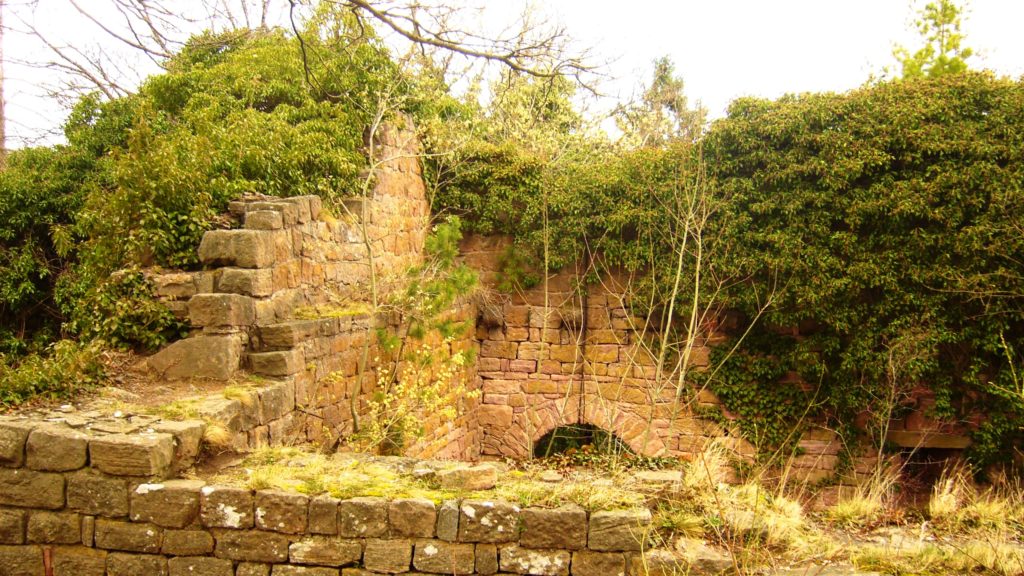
[{"x": 632, "y": 430}]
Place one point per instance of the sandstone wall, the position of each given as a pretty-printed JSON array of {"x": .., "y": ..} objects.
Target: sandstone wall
[
  {"x": 555, "y": 359},
  {"x": 82, "y": 503}
]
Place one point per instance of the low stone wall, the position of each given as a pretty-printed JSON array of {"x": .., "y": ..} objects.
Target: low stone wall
[{"x": 82, "y": 504}]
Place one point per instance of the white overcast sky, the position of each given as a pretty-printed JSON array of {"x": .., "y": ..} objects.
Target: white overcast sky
[{"x": 723, "y": 49}]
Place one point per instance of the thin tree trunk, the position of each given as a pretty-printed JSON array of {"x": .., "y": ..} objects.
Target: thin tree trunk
[{"x": 3, "y": 115}]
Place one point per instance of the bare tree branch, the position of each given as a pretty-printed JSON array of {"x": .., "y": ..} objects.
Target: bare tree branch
[{"x": 535, "y": 49}]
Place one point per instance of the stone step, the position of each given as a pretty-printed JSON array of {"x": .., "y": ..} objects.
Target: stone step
[{"x": 290, "y": 334}]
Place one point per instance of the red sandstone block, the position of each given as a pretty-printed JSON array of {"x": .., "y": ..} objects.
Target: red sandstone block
[
  {"x": 517, "y": 333},
  {"x": 598, "y": 318},
  {"x": 517, "y": 315},
  {"x": 527, "y": 366},
  {"x": 548, "y": 335},
  {"x": 490, "y": 364},
  {"x": 550, "y": 367},
  {"x": 564, "y": 353},
  {"x": 500, "y": 386},
  {"x": 531, "y": 351},
  {"x": 492, "y": 349},
  {"x": 605, "y": 336},
  {"x": 602, "y": 353}
]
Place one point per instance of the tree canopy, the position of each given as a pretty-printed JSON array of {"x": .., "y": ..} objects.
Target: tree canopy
[{"x": 938, "y": 24}]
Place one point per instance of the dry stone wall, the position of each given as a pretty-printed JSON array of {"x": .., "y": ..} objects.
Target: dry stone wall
[{"x": 83, "y": 503}]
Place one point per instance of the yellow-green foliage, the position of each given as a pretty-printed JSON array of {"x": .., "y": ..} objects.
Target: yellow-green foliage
[{"x": 65, "y": 369}]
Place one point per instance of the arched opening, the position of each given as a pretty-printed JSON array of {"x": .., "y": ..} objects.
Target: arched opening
[{"x": 574, "y": 438}]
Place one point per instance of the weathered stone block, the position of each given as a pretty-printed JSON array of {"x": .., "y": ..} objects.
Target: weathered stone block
[
  {"x": 618, "y": 530},
  {"x": 658, "y": 563},
  {"x": 220, "y": 310},
  {"x": 226, "y": 507},
  {"x": 13, "y": 436},
  {"x": 242, "y": 248},
  {"x": 439, "y": 557},
  {"x": 659, "y": 478},
  {"x": 88, "y": 530},
  {"x": 28, "y": 489},
  {"x": 227, "y": 412},
  {"x": 486, "y": 559},
  {"x": 325, "y": 551},
  {"x": 470, "y": 478},
  {"x": 412, "y": 517},
  {"x": 21, "y": 560},
  {"x": 171, "y": 504},
  {"x": 119, "y": 564},
  {"x": 54, "y": 528},
  {"x": 286, "y": 570},
  {"x": 56, "y": 448},
  {"x": 200, "y": 566},
  {"x": 281, "y": 511},
  {"x": 251, "y": 545},
  {"x": 264, "y": 220},
  {"x": 188, "y": 434},
  {"x": 362, "y": 518},
  {"x": 276, "y": 400},
  {"x": 388, "y": 556},
  {"x": 132, "y": 455},
  {"x": 564, "y": 528},
  {"x": 92, "y": 493},
  {"x": 252, "y": 569},
  {"x": 115, "y": 535},
  {"x": 537, "y": 562},
  {"x": 78, "y": 561},
  {"x": 204, "y": 356},
  {"x": 496, "y": 418},
  {"x": 288, "y": 334},
  {"x": 173, "y": 285},
  {"x": 928, "y": 439},
  {"x": 448, "y": 521},
  {"x": 587, "y": 563},
  {"x": 12, "y": 527},
  {"x": 486, "y": 521},
  {"x": 279, "y": 363},
  {"x": 323, "y": 515},
  {"x": 187, "y": 543}
]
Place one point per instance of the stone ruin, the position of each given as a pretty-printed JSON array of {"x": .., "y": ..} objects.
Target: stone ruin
[{"x": 101, "y": 494}]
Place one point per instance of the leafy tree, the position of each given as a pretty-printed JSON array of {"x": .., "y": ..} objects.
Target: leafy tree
[
  {"x": 663, "y": 112},
  {"x": 942, "y": 53}
]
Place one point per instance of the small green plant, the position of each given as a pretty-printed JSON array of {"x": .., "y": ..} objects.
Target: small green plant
[
  {"x": 429, "y": 375},
  {"x": 121, "y": 311},
  {"x": 64, "y": 369}
]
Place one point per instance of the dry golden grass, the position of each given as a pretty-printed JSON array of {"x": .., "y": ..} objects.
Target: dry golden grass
[{"x": 346, "y": 477}]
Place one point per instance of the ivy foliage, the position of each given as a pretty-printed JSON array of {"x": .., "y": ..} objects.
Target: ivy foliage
[
  {"x": 887, "y": 219},
  {"x": 882, "y": 225}
]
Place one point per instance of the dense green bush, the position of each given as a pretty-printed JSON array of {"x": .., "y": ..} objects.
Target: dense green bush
[
  {"x": 888, "y": 219},
  {"x": 883, "y": 224}
]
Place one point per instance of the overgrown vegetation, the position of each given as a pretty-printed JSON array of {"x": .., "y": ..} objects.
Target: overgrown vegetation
[
  {"x": 428, "y": 374},
  {"x": 868, "y": 242},
  {"x": 143, "y": 176}
]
